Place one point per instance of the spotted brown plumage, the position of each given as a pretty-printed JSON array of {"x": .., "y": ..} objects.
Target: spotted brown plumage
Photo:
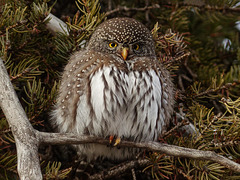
[{"x": 103, "y": 93}]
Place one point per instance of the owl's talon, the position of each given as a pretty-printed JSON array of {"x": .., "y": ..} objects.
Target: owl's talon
[
  {"x": 111, "y": 139},
  {"x": 117, "y": 142},
  {"x": 114, "y": 141}
]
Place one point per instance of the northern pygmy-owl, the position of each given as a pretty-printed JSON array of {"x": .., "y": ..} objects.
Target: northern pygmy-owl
[{"x": 115, "y": 86}]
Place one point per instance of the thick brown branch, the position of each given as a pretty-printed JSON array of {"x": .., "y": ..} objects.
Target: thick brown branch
[{"x": 172, "y": 150}]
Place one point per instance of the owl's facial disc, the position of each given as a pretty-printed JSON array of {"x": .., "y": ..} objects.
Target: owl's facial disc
[
  {"x": 124, "y": 37},
  {"x": 121, "y": 49}
]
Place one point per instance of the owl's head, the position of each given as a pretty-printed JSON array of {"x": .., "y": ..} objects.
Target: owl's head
[{"x": 124, "y": 37}]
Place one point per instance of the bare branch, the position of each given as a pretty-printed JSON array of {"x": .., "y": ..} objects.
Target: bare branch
[
  {"x": 24, "y": 134},
  {"x": 172, "y": 150},
  {"x": 119, "y": 169},
  {"x": 209, "y": 91},
  {"x": 157, "y": 6},
  {"x": 211, "y": 8},
  {"x": 178, "y": 125}
]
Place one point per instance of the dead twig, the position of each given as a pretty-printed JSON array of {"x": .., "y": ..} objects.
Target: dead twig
[
  {"x": 124, "y": 8},
  {"x": 201, "y": 7},
  {"x": 119, "y": 169},
  {"x": 226, "y": 86}
]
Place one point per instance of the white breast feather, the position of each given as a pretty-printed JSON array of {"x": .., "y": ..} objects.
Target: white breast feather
[{"x": 120, "y": 120}]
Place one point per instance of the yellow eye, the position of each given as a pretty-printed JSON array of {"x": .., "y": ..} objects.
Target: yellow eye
[
  {"x": 136, "y": 46},
  {"x": 112, "y": 44}
]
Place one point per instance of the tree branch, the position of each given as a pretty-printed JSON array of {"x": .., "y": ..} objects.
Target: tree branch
[
  {"x": 124, "y": 8},
  {"x": 119, "y": 169},
  {"x": 172, "y": 150},
  {"x": 28, "y": 164},
  {"x": 211, "y": 8},
  {"x": 209, "y": 91},
  {"x": 157, "y": 6}
]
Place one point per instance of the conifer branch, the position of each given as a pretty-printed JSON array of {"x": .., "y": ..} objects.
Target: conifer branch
[
  {"x": 158, "y": 6},
  {"x": 119, "y": 169},
  {"x": 209, "y": 91},
  {"x": 124, "y": 8},
  {"x": 210, "y": 8}
]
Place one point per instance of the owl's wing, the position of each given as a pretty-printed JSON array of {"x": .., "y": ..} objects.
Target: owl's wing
[
  {"x": 167, "y": 90},
  {"x": 75, "y": 82}
]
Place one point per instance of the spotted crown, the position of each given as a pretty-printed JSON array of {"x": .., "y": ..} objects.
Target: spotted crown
[{"x": 122, "y": 30}]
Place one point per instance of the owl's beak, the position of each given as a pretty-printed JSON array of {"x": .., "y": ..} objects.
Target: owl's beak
[{"x": 124, "y": 53}]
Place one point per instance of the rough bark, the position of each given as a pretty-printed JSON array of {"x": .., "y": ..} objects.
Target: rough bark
[{"x": 28, "y": 164}]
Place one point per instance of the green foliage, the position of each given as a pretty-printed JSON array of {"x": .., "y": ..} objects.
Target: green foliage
[
  {"x": 85, "y": 20},
  {"x": 34, "y": 59},
  {"x": 38, "y": 99},
  {"x": 160, "y": 166},
  {"x": 52, "y": 171},
  {"x": 189, "y": 39},
  {"x": 27, "y": 49},
  {"x": 7, "y": 164},
  {"x": 201, "y": 169}
]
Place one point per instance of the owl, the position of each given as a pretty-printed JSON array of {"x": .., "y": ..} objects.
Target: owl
[{"x": 115, "y": 87}]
